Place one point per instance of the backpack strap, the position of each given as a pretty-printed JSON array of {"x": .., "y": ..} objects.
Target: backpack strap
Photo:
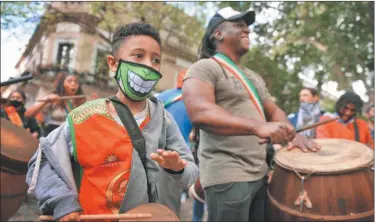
[
  {"x": 356, "y": 130},
  {"x": 135, "y": 134}
]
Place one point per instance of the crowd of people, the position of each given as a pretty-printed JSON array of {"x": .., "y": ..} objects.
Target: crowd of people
[{"x": 220, "y": 117}]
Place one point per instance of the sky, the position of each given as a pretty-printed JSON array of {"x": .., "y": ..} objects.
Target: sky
[
  {"x": 14, "y": 42},
  {"x": 11, "y": 50}
]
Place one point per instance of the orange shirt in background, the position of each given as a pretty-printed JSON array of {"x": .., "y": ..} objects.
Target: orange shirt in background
[{"x": 337, "y": 130}]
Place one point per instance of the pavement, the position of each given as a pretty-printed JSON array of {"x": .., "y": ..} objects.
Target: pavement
[{"x": 29, "y": 210}]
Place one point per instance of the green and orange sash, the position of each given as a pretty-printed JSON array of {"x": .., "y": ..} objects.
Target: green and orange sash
[
  {"x": 13, "y": 116},
  {"x": 172, "y": 100},
  {"x": 241, "y": 76}
]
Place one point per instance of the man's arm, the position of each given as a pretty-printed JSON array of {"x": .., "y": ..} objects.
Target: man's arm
[
  {"x": 199, "y": 99},
  {"x": 275, "y": 114}
]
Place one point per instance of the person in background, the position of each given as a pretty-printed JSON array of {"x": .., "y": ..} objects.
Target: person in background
[
  {"x": 55, "y": 109},
  {"x": 348, "y": 126},
  {"x": 198, "y": 207},
  {"x": 370, "y": 119},
  {"x": 15, "y": 110},
  {"x": 3, "y": 102},
  {"x": 308, "y": 113},
  {"x": 172, "y": 100}
]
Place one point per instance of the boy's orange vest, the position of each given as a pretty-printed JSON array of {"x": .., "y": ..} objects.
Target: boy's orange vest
[{"x": 103, "y": 157}]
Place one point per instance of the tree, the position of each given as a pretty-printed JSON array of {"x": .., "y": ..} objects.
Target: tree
[
  {"x": 281, "y": 84},
  {"x": 332, "y": 40},
  {"x": 16, "y": 14}
]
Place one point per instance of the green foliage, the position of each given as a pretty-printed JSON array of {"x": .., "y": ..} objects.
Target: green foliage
[
  {"x": 333, "y": 40},
  {"x": 281, "y": 84},
  {"x": 328, "y": 105},
  {"x": 20, "y": 14},
  {"x": 162, "y": 16}
]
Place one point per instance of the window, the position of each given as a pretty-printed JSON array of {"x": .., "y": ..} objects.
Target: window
[{"x": 65, "y": 54}]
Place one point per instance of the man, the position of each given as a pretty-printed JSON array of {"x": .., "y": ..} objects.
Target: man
[
  {"x": 370, "y": 119},
  {"x": 231, "y": 105},
  {"x": 348, "y": 126},
  {"x": 309, "y": 111},
  {"x": 92, "y": 163}
]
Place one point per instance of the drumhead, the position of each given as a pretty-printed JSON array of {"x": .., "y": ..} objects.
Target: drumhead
[{"x": 336, "y": 155}]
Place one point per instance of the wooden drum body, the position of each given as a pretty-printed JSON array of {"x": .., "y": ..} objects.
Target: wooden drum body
[
  {"x": 17, "y": 147},
  {"x": 338, "y": 184}
]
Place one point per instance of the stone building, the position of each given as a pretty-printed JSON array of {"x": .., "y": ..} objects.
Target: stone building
[{"x": 69, "y": 37}]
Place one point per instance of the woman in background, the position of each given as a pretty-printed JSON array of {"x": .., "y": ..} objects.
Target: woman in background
[
  {"x": 56, "y": 109},
  {"x": 15, "y": 112}
]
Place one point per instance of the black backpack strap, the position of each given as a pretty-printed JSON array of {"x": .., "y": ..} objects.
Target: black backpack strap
[
  {"x": 356, "y": 131},
  {"x": 135, "y": 134}
]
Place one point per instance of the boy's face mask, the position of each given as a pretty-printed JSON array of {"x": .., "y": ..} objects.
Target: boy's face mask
[{"x": 136, "y": 80}]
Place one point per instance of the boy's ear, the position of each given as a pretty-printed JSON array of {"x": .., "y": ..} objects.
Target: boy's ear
[{"x": 112, "y": 63}]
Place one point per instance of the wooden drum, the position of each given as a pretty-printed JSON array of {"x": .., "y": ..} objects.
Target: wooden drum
[
  {"x": 17, "y": 148},
  {"x": 158, "y": 211},
  {"x": 333, "y": 184}
]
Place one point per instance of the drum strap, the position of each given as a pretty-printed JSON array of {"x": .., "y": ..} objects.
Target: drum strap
[
  {"x": 356, "y": 131},
  {"x": 135, "y": 134}
]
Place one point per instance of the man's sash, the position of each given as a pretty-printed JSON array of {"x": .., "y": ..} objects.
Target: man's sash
[{"x": 241, "y": 76}]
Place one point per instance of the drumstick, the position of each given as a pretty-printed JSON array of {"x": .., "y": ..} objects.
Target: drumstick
[
  {"x": 103, "y": 217},
  {"x": 316, "y": 124},
  {"x": 65, "y": 97},
  {"x": 263, "y": 141}
]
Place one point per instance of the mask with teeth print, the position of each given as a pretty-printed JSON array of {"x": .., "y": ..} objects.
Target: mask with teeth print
[{"x": 136, "y": 80}]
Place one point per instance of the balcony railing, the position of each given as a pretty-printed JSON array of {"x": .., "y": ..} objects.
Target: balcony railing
[{"x": 95, "y": 79}]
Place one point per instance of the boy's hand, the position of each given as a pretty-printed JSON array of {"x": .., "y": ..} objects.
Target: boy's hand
[
  {"x": 169, "y": 160},
  {"x": 74, "y": 216}
]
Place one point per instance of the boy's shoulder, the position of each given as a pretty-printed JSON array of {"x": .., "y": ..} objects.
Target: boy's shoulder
[{"x": 82, "y": 112}]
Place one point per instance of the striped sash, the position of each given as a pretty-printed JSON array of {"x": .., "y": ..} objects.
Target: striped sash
[
  {"x": 172, "y": 100},
  {"x": 246, "y": 82}
]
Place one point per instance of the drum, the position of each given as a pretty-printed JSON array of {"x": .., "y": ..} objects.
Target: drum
[
  {"x": 333, "y": 184},
  {"x": 17, "y": 148},
  {"x": 158, "y": 211},
  {"x": 196, "y": 191}
]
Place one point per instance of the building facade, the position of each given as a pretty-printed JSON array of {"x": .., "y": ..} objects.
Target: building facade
[{"x": 64, "y": 44}]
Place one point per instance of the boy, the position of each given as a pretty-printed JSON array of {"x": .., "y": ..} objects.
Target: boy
[{"x": 108, "y": 174}]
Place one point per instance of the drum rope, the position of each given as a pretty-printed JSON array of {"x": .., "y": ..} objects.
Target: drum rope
[{"x": 303, "y": 194}]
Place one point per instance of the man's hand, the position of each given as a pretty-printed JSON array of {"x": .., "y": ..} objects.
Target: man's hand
[
  {"x": 276, "y": 132},
  {"x": 169, "y": 160},
  {"x": 74, "y": 216},
  {"x": 304, "y": 144}
]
